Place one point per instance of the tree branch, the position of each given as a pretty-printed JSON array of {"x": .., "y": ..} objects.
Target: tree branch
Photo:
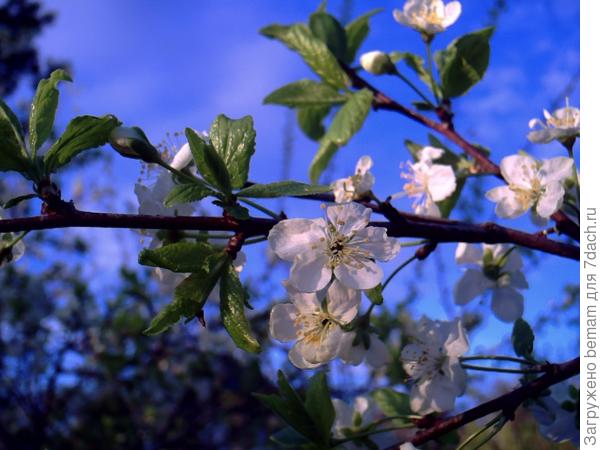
[
  {"x": 382, "y": 101},
  {"x": 507, "y": 403},
  {"x": 400, "y": 225}
]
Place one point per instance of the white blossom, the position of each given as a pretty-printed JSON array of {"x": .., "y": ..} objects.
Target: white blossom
[
  {"x": 376, "y": 62},
  {"x": 433, "y": 364},
  {"x": 428, "y": 16},
  {"x": 407, "y": 446},
  {"x": 427, "y": 182},
  {"x": 495, "y": 268},
  {"x": 315, "y": 325},
  {"x": 531, "y": 183},
  {"x": 561, "y": 125},
  {"x": 342, "y": 245},
  {"x": 353, "y": 349},
  {"x": 354, "y": 187},
  {"x": 352, "y": 417},
  {"x": 557, "y": 423}
]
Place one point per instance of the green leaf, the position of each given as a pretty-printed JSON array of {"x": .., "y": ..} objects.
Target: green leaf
[
  {"x": 82, "y": 133},
  {"x": 305, "y": 93},
  {"x": 289, "y": 438},
  {"x": 235, "y": 210},
  {"x": 464, "y": 62},
  {"x": 375, "y": 294},
  {"x": 282, "y": 189},
  {"x": 326, "y": 28},
  {"x": 310, "y": 120},
  {"x": 235, "y": 142},
  {"x": 315, "y": 53},
  {"x": 13, "y": 155},
  {"x": 346, "y": 123},
  {"x": 522, "y": 338},
  {"x": 183, "y": 257},
  {"x": 190, "y": 295},
  {"x": 186, "y": 193},
  {"x": 392, "y": 403},
  {"x": 43, "y": 109},
  {"x": 356, "y": 33},
  {"x": 319, "y": 405},
  {"x": 15, "y": 201},
  {"x": 210, "y": 164},
  {"x": 233, "y": 298}
]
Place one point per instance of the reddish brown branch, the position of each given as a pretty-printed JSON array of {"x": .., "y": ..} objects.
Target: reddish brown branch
[
  {"x": 382, "y": 101},
  {"x": 507, "y": 403},
  {"x": 404, "y": 225}
]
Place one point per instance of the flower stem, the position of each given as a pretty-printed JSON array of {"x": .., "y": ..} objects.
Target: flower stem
[
  {"x": 181, "y": 174},
  {"x": 398, "y": 269},
  {"x": 497, "y": 422},
  {"x": 369, "y": 433},
  {"x": 501, "y": 370},
  {"x": 255, "y": 240},
  {"x": 497, "y": 358},
  {"x": 413, "y": 243},
  {"x": 261, "y": 208},
  {"x": 430, "y": 71},
  {"x": 413, "y": 87}
]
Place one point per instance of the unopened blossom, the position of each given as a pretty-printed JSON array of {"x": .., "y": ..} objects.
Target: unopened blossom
[
  {"x": 376, "y": 62},
  {"x": 357, "y": 185},
  {"x": 428, "y": 16},
  {"x": 494, "y": 268},
  {"x": 351, "y": 418},
  {"x": 10, "y": 251},
  {"x": 342, "y": 246},
  {"x": 531, "y": 183},
  {"x": 356, "y": 347},
  {"x": 428, "y": 183},
  {"x": 433, "y": 364},
  {"x": 561, "y": 125},
  {"x": 182, "y": 158},
  {"x": 315, "y": 326}
]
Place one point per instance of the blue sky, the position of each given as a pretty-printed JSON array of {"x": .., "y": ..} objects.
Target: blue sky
[{"x": 168, "y": 65}]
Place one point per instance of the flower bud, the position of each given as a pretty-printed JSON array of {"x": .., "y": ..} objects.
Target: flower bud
[
  {"x": 182, "y": 158},
  {"x": 377, "y": 63},
  {"x": 131, "y": 142}
]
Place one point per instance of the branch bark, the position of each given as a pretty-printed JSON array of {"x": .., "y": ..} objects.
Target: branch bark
[
  {"x": 400, "y": 225},
  {"x": 507, "y": 403}
]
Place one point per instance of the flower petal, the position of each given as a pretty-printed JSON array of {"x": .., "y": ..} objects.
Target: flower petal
[
  {"x": 472, "y": 284},
  {"x": 351, "y": 354},
  {"x": 293, "y": 237},
  {"x": 310, "y": 273},
  {"x": 298, "y": 360},
  {"x": 518, "y": 170},
  {"x": 377, "y": 243},
  {"x": 468, "y": 254},
  {"x": 348, "y": 218},
  {"x": 551, "y": 200},
  {"x": 442, "y": 182},
  {"x": 378, "y": 354},
  {"x": 451, "y": 13},
  {"x": 363, "y": 274},
  {"x": 507, "y": 304},
  {"x": 457, "y": 343},
  {"x": 282, "y": 322},
  {"x": 342, "y": 302},
  {"x": 556, "y": 169}
]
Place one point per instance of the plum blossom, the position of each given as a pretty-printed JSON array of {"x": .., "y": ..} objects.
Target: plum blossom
[
  {"x": 428, "y": 183},
  {"x": 354, "y": 187},
  {"x": 531, "y": 183},
  {"x": 428, "y": 16},
  {"x": 358, "y": 346},
  {"x": 496, "y": 268},
  {"x": 314, "y": 324},
  {"x": 433, "y": 364},
  {"x": 352, "y": 418},
  {"x": 182, "y": 158},
  {"x": 407, "y": 446},
  {"x": 561, "y": 125},
  {"x": 556, "y": 415},
  {"x": 341, "y": 246}
]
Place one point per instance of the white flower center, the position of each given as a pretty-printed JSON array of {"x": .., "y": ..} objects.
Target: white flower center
[
  {"x": 568, "y": 120},
  {"x": 428, "y": 364}
]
